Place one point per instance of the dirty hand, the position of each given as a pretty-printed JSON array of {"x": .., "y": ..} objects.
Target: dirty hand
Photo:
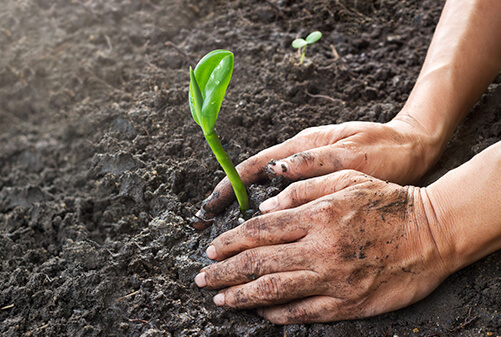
[
  {"x": 398, "y": 151},
  {"x": 340, "y": 246}
]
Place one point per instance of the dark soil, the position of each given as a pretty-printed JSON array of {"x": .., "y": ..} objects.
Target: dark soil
[{"x": 102, "y": 166}]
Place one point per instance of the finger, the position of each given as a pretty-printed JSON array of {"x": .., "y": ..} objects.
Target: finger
[
  {"x": 253, "y": 169},
  {"x": 270, "y": 229},
  {"x": 271, "y": 289},
  {"x": 316, "y": 309},
  {"x": 304, "y": 191},
  {"x": 252, "y": 264},
  {"x": 318, "y": 161}
]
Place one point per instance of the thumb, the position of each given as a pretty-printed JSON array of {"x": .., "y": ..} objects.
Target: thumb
[
  {"x": 221, "y": 197},
  {"x": 304, "y": 191}
]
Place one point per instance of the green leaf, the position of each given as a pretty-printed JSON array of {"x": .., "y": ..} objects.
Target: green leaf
[
  {"x": 196, "y": 99},
  {"x": 313, "y": 37},
  {"x": 215, "y": 90},
  {"x": 299, "y": 43},
  {"x": 212, "y": 74}
]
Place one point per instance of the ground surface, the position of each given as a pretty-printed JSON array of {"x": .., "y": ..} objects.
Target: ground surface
[{"x": 101, "y": 165}]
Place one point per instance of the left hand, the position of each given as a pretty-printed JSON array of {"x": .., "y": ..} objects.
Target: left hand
[
  {"x": 399, "y": 151},
  {"x": 336, "y": 247}
]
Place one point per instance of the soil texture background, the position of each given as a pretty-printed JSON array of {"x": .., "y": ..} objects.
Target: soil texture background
[{"x": 102, "y": 166}]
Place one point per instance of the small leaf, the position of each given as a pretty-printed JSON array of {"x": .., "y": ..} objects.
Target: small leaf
[
  {"x": 313, "y": 37},
  {"x": 207, "y": 64},
  {"x": 299, "y": 43},
  {"x": 196, "y": 99},
  {"x": 215, "y": 90},
  {"x": 213, "y": 74}
]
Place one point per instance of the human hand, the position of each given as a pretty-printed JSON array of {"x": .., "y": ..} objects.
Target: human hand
[
  {"x": 399, "y": 151},
  {"x": 336, "y": 247}
]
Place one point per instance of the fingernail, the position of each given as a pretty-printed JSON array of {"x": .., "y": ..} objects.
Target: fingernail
[
  {"x": 268, "y": 205},
  {"x": 200, "y": 214},
  {"x": 219, "y": 299},
  {"x": 211, "y": 252},
  {"x": 199, "y": 221},
  {"x": 200, "y": 280}
]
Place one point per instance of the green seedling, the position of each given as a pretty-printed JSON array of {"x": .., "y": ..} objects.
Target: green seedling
[
  {"x": 301, "y": 44},
  {"x": 208, "y": 83}
]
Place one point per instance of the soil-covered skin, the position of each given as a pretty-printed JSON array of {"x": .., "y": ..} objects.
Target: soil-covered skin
[{"x": 102, "y": 166}]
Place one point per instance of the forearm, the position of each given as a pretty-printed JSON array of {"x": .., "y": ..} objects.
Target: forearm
[
  {"x": 463, "y": 59},
  {"x": 464, "y": 208}
]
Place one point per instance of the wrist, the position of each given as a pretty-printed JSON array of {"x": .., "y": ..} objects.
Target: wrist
[
  {"x": 441, "y": 228},
  {"x": 427, "y": 146},
  {"x": 435, "y": 108}
]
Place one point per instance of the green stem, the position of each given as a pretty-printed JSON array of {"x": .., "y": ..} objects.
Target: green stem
[
  {"x": 302, "y": 55},
  {"x": 229, "y": 169}
]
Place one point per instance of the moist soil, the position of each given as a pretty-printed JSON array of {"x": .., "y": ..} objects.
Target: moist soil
[{"x": 102, "y": 166}]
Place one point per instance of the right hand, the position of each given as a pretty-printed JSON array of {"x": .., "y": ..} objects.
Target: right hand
[
  {"x": 399, "y": 151},
  {"x": 341, "y": 246}
]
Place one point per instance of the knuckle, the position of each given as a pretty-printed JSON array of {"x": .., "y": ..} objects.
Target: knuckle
[
  {"x": 294, "y": 192},
  {"x": 212, "y": 276},
  {"x": 278, "y": 319},
  {"x": 253, "y": 229},
  {"x": 250, "y": 264},
  {"x": 306, "y": 132},
  {"x": 236, "y": 298},
  {"x": 356, "y": 153},
  {"x": 270, "y": 288},
  {"x": 297, "y": 314},
  {"x": 354, "y": 308},
  {"x": 348, "y": 175},
  {"x": 303, "y": 160}
]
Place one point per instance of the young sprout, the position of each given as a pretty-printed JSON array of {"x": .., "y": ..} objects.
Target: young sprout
[
  {"x": 208, "y": 83},
  {"x": 301, "y": 44}
]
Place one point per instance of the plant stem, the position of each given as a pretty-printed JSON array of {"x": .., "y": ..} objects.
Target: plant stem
[
  {"x": 302, "y": 55},
  {"x": 229, "y": 169}
]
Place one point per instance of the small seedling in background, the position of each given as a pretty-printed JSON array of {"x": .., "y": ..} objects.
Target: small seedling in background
[
  {"x": 301, "y": 44},
  {"x": 208, "y": 83}
]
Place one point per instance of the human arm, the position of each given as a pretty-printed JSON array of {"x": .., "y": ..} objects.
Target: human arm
[
  {"x": 463, "y": 58},
  {"x": 346, "y": 245},
  {"x": 465, "y": 208}
]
